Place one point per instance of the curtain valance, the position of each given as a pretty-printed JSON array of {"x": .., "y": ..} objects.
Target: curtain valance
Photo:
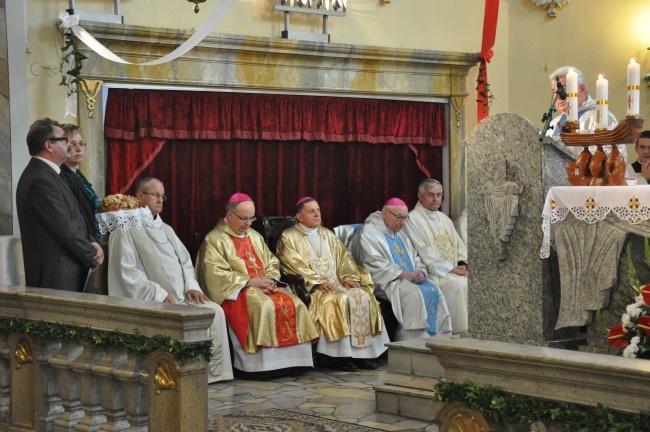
[{"x": 164, "y": 114}]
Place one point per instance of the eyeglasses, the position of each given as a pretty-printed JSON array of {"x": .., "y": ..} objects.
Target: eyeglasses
[
  {"x": 78, "y": 144},
  {"x": 248, "y": 219},
  {"x": 399, "y": 218},
  {"x": 156, "y": 195},
  {"x": 56, "y": 139}
]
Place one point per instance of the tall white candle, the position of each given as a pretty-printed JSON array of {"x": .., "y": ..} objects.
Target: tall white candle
[
  {"x": 602, "y": 91},
  {"x": 633, "y": 92},
  {"x": 572, "y": 96}
]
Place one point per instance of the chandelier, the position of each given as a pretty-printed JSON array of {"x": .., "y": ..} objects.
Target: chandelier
[{"x": 196, "y": 4}]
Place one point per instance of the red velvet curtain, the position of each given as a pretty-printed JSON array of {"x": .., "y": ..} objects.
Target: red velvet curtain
[{"x": 204, "y": 155}]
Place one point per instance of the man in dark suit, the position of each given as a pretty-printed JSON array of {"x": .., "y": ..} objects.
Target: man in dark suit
[
  {"x": 57, "y": 249},
  {"x": 642, "y": 166}
]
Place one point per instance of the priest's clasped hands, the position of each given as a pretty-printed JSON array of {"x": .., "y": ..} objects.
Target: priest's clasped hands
[
  {"x": 330, "y": 287},
  {"x": 265, "y": 284},
  {"x": 416, "y": 277}
]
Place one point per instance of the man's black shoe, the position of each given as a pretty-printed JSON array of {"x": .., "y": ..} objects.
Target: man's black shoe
[
  {"x": 367, "y": 364},
  {"x": 344, "y": 366}
]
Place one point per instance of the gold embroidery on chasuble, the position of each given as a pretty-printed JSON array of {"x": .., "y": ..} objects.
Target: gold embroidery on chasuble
[
  {"x": 445, "y": 245},
  {"x": 275, "y": 325},
  {"x": 345, "y": 306}
]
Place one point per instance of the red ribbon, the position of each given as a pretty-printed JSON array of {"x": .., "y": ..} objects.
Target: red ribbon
[{"x": 490, "y": 19}]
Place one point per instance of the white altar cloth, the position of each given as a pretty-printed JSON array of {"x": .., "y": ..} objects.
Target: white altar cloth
[{"x": 592, "y": 204}]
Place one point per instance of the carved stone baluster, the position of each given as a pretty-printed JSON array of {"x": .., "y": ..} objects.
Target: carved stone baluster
[
  {"x": 90, "y": 395},
  {"x": 132, "y": 374},
  {"x": 69, "y": 388},
  {"x": 111, "y": 389}
]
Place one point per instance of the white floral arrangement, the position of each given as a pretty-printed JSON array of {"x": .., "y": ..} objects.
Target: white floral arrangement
[{"x": 632, "y": 335}]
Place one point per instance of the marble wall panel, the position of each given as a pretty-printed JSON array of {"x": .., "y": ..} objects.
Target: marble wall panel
[{"x": 6, "y": 221}]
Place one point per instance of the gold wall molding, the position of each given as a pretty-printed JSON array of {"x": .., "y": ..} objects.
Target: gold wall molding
[
  {"x": 267, "y": 65},
  {"x": 90, "y": 89}
]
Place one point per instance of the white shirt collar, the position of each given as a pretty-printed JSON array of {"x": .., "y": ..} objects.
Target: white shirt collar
[
  {"x": 54, "y": 166},
  {"x": 308, "y": 231}
]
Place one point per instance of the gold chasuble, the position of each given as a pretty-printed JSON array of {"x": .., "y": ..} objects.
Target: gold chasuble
[
  {"x": 331, "y": 262},
  {"x": 225, "y": 264}
]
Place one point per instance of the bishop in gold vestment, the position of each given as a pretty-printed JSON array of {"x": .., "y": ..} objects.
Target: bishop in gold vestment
[
  {"x": 269, "y": 327},
  {"x": 342, "y": 304}
]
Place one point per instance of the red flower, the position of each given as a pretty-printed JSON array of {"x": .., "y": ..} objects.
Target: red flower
[
  {"x": 618, "y": 337},
  {"x": 643, "y": 322},
  {"x": 645, "y": 292}
]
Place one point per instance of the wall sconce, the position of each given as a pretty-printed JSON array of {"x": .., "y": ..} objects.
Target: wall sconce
[
  {"x": 196, "y": 4},
  {"x": 324, "y": 8},
  {"x": 550, "y": 5}
]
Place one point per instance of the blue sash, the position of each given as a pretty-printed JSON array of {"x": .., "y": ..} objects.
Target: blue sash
[{"x": 429, "y": 291}]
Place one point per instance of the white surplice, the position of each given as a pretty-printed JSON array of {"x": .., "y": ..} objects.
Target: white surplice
[
  {"x": 441, "y": 249},
  {"x": 371, "y": 249},
  {"x": 152, "y": 263}
]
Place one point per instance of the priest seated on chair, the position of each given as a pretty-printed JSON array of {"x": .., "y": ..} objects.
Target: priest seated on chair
[
  {"x": 441, "y": 249},
  {"x": 342, "y": 303},
  {"x": 152, "y": 264},
  {"x": 399, "y": 274},
  {"x": 270, "y": 328}
]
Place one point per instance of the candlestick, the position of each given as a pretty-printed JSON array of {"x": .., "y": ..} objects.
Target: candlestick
[
  {"x": 602, "y": 115},
  {"x": 572, "y": 96},
  {"x": 633, "y": 92}
]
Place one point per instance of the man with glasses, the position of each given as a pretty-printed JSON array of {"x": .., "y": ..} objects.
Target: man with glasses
[
  {"x": 270, "y": 328},
  {"x": 441, "y": 249},
  {"x": 587, "y": 110},
  {"x": 399, "y": 274},
  {"x": 151, "y": 263},
  {"x": 58, "y": 250},
  {"x": 342, "y": 303}
]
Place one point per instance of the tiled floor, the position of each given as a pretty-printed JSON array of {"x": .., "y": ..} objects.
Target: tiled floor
[{"x": 343, "y": 396}]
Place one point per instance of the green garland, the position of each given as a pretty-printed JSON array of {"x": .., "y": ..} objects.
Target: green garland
[
  {"x": 70, "y": 79},
  {"x": 135, "y": 342},
  {"x": 516, "y": 409}
]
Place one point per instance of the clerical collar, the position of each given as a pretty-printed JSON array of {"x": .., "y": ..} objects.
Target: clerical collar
[
  {"x": 432, "y": 215},
  {"x": 308, "y": 231},
  {"x": 157, "y": 221}
]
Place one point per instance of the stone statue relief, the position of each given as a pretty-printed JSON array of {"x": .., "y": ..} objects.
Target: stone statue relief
[{"x": 501, "y": 206}]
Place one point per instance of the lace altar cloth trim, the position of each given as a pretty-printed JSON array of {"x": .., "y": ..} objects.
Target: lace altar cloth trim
[
  {"x": 124, "y": 219},
  {"x": 592, "y": 204}
]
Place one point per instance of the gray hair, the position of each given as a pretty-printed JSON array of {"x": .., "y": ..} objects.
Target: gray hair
[
  {"x": 145, "y": 183},
  {"x": 428, "y": 183},
  {"x": 561, "y": 73}
]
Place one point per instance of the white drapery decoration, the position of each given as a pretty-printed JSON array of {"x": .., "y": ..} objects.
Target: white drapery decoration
[{"x": 72, "y": 22}]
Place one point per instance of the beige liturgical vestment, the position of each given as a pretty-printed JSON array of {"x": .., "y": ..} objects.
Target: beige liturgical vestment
[{"x": 441, "y": 249}]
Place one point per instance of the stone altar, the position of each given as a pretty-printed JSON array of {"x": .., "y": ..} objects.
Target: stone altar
[{"x": 513, "y": 294}]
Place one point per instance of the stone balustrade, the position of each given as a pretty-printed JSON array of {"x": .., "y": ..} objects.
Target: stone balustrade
[{"x": 72, "y": 385}]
